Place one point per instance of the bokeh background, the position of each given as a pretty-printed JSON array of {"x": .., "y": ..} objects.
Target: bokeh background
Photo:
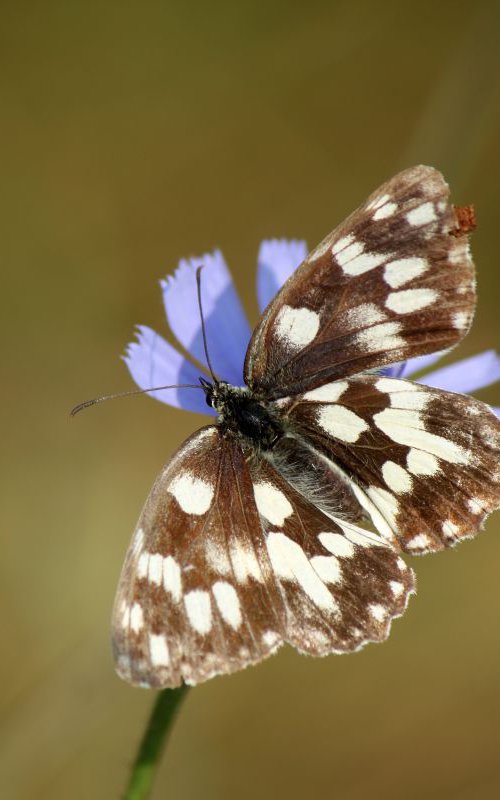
[{"x": 131, "y": 135}]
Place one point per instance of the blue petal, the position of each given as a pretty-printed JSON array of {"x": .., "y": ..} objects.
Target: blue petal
[
  {"x": 276, "y": 261},
  {"x": 154, "y": 362},
  {"x": 228, "y": 331},
  {"x": 394, "y": 371},
  {"x": 406, "y": 368},
  {"x": 420, "y": 362},
  {"x": 466, "y": 375}
]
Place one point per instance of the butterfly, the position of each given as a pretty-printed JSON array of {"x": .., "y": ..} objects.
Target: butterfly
[{"x": 255, "y": 532}]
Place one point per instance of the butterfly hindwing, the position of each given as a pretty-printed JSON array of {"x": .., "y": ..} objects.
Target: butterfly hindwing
[
  {"x": 423, "y": 462},
  {"x": 228, "y": 562},
  {"x": 392, "y": 282},
  {"x": 341, "y": 585}
]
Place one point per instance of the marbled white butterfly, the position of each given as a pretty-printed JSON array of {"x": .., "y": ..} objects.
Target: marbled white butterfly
[{"x": 251, "y": 535}]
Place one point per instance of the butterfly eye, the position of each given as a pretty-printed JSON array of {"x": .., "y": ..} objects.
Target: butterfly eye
[{"x": 209, "y": 391}]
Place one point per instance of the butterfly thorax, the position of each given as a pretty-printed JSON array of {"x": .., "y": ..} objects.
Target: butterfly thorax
[{"x": 241, "y": 413}]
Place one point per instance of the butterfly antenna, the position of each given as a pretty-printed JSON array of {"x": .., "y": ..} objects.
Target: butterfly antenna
[
  {"x": 96, "y": 400},
  {"x": 203, "y": 331}
]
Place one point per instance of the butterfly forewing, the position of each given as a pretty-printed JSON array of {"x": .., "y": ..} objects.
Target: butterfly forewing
[
  {"x": 228, "y": 562},
  {"x": 393, "y": 282},
  {"x": 423, "y": 462},
  {"x": 197, "y": 595}
]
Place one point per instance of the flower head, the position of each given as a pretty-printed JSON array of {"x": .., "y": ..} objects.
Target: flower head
[{"x": 153, "y": 361}]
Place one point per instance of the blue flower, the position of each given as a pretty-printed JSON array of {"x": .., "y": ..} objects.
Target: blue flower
[{"x": 153, "y": 361}]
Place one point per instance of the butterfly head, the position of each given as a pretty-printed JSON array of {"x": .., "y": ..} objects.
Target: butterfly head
[{"x": 220, "y": 395}]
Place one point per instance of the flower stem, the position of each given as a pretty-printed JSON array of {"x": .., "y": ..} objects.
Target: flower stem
[{"x": 160, "y": 722}]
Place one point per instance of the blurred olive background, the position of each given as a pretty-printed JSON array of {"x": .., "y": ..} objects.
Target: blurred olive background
[{"x": 131, "y": 135}]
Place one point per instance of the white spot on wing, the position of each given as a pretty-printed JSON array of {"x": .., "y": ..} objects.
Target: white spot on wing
[
  {"x": 403, "y": 394},
  {"x": 245, "y": 563},
  {"x": 461, "y": 320},
  {"x": 379, "y": 201},
  {"x": 217, "y": 557},
  {"x": 408, "y": 428},
  {"x": 459, "y": 252},
  {"x": 403, "y": 270},
  {"x": 363, "y": 315},
  {"x": 421, "y": 463},
  {"x": 194, "y": 495},
  {"x": 228, "y": 603},
  {"x": 337, "y": 544},
  {"x": 341, "y": 422},
  {"x": 421, "y": 215},
  {"x": 125, "y": 620},
  {"x": 291, "y": 563},
  {"x": 328, "y": 568},
  {"x": 363, "y": 263},
  {"x": 381, "y": 337},
  {"x": 297, "y": 327},
  {"x": 272, "y": 503},
  {"x": 270, "y": 638},
  {"x": 199, "y": 610},
  {"x": 410, "y": 400},
  {"x": 328, "y": 393},
  {"x": 136, "y": 618},
  {"x": 419, "y": 542},
  {"x": 397, "y": 588},
  {"x": 155, "y": 569},
  {"x": 408, "y": 301},
  {"x": 344, "y": 242},
  {"x": 449, "y": 529},
  {"x": 158, "y": 650},
  {"x": 387, "y": 210},
  {"x": 172, "y": 581},
  {"x": 396, "y": 477},
  {"x": 475, "y": 505},
  {"x": 377, "y": 611},
  {"x": 142, "y": 564},
  {"x": 393, "y": 386}
]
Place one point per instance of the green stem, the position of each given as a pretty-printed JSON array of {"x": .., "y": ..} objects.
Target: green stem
[{"x": 160, "y": 722}]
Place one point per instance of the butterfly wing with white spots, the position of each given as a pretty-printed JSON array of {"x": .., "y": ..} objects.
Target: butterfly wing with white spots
[
  {"x": 341, "y": 585},
  {"x": 179, "y": 608},
  {"x": 195, "y": 597},
  {"x": 247, "y": 540},
  {"x": 228, "y": 562},
  {"x": 394, "y": 281},
  {"x": 422, "y": 462}
]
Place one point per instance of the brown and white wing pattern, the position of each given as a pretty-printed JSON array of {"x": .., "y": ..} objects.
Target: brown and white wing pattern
[
  {"x": 196, "y": 597},
  {"x": 228, "y": 562},
  {"x": 394, "y": 281},
  {"x": 341, "y": 586},
  {"x": 424, "y": 463}
]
